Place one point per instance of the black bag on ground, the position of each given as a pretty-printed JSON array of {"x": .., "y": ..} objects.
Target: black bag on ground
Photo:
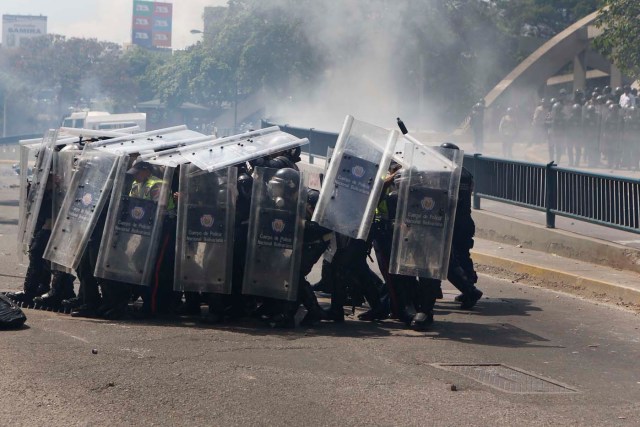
[{"x": 10, "y": 314}]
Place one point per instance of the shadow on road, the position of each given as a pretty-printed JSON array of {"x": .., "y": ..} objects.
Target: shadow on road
[
  {"x": 490, "y": 334},
  {"x": 490, "y": 307}
]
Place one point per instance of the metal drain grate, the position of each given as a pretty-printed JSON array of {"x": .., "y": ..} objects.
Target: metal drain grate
[{"x": 506, "y": 378}]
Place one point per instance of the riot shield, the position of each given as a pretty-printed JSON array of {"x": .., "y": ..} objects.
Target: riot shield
[
  {"x": 148, "y": 142},
  {"x": 275, "y": 238},
  {"x": 354, "y": 178},
  {"x": 28, "y": 157},
  {"x": 224, "y": 152},
  {"x": 88, "y": 192},
  {"x": 205, "y": 232},
  {"x": 36, "y": 190},
  {"x": 134, "y": 225},
  {"x": 64, "y": 164},
  {"x": 427, "y": 197}
]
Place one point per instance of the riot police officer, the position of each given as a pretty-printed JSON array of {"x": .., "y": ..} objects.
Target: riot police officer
[
  {"x": 477, "y": 125},
  {"x": 557, "y": 133},
  {"x": 574, "y": 135},
  {"x": 461, "y": 272},
  {"x": 591, "y": 133}
]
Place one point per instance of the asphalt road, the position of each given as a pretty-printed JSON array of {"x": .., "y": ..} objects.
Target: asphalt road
[{"x": 181, "y": 373}]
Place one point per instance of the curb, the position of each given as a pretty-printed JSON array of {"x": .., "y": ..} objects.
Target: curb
[{"x": 560, "y": 280}]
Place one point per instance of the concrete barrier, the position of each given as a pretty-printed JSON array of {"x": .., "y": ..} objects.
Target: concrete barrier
[{"x": 500, "y": 228}]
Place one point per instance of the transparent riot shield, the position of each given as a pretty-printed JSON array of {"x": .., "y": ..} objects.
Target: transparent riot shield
[
  {"x": 64, "y": 164},
  {"x": 205, "y": 232},
  {"x": 149, "y": 141},
  {"x": 28, "y": 157},
  {"x": 36, "y": 190},
  {"x": 88, "y": 193},
  {"x": 427, "y": 197},
  {"x": 275, "y": 238},
  {"x": 225, "y": 152},
  {"x": 354, "y": 178},
  {"x": 134, "y": 225}
]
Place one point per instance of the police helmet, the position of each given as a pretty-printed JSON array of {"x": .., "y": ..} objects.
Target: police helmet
[
  {"x": 450, "y": 146},
  {"x": 312, "y": 197},
  {"x": 283, "y": 183},
  {"x": 553, "y": 101},
  {"x": 619, "y": 91},
  {"x": 606, "y": 90},
  {"x": 601, "y": 99}
]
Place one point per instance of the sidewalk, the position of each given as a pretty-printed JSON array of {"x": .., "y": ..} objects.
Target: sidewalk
[{"x": 554, "y": 272}]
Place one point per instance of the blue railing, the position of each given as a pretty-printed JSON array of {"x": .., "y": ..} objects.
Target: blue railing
[{"x": 607, "y": 200}]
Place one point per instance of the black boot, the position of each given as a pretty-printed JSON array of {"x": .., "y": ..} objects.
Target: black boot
[
  {"x": 469, "y": 300},
  {"x": 371, "y": 291},
  {"x": 427, "y": 292},
  {"x": 61, "y": 289},
  {"x": 215, "y": 313},
  {"x": 338, "y": 299},
  {"x": 285, "y": 319},
  {"x": 190, "y": 306},
  {"x": 308, "y": 299}
]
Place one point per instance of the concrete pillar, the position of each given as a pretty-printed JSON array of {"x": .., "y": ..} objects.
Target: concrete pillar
[
  {"x": 616, "y": 77},
  {"x": 580, "y": 71}
]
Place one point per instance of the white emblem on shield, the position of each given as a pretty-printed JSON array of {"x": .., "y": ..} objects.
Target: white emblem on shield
[
  {"x": 357, "y": 171},
  {"x": 206, "y": 220},
  {"x": 427, "y": 203},
  {"x": 137, "y": 213},
  {"x": 87, "y": 199},
  {"x": 277, "y": 225}
]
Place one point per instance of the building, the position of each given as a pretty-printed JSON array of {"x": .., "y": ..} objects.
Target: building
[{"x": 16, "y": 28}]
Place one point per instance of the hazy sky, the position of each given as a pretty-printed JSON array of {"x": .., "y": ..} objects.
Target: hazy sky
[{"x": 108, "y": 20}]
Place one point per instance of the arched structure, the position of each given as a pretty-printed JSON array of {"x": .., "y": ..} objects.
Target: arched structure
[{"x": 541, "y": 67}]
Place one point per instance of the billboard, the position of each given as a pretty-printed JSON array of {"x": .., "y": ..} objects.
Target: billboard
[
  {"x": 18, "y": 27},
  {"x": 151, "y": 24}
]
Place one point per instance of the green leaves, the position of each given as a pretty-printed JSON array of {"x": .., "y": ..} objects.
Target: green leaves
[{"x": 620, "y": 41}]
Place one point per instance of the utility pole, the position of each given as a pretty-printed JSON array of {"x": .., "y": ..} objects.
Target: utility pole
[{"x": 4, "y": 115}]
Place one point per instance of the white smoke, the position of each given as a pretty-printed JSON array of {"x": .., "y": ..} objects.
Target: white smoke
[{"x": 366, "y": 73}]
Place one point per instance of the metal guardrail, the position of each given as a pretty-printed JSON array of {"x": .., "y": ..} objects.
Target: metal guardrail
[{"x": 607, "y": 200}]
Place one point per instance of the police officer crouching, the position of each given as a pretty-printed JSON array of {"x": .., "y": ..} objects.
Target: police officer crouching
[{"x": 461, "y": 273}]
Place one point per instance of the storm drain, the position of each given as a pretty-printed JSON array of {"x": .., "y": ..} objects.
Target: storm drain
[{"x": 506, "y": 378}]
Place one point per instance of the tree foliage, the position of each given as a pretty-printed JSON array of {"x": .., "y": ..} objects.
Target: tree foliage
[{"x": 620, "y": 41}]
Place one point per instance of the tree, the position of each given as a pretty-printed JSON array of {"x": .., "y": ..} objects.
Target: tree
[{"x": 620, "y": 41}]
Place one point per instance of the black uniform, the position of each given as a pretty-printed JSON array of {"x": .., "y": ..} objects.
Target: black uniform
[{"x": 461, "y": 272}]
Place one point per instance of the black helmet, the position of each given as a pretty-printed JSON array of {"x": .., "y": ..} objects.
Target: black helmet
[
  {"x": 601, "y": 99},
  {"x": 553, "y": 101},
  {"x": 563, "y": 92},
  {"x": 283, "y": 183},
  {"x": 312, "y": 197},
  {"x": 450, "y": 146},
  {"x": 596, "y": 90},
  {"x": 606, "y": 90},
  {"x": 294, "y": 153},
  {"x": 618, "y": 91}
]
